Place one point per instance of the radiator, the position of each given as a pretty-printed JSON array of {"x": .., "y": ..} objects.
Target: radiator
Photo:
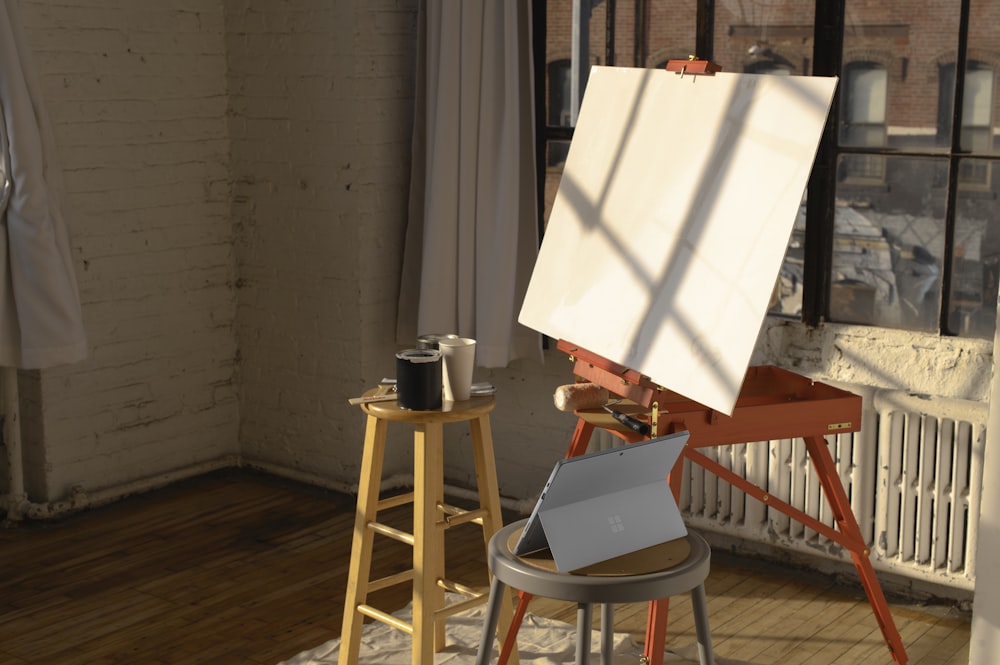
[{"x": 913, "y": 474}]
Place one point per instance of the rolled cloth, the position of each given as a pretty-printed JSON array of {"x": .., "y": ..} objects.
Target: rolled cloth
[{"x": 580, "y": 396}]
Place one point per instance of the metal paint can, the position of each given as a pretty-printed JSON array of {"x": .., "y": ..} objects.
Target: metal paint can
[
  {"x": 418, "y": 379},
  {"x": 431, "y": 341}
]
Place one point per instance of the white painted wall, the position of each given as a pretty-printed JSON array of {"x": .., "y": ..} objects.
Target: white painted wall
[
  {"x": 237, "y": 183},
  {"x": 136, "y": 93}
]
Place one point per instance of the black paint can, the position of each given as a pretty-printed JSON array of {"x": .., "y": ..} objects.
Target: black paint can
[{"x": 418, "y": 379}]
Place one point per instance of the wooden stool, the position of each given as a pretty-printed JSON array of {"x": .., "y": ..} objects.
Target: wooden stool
[
  {"x": 661, "y": 571},
  {"x": 431, "y": 516}
]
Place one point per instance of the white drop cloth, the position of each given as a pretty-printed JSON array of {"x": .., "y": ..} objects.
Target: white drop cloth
[{"x": 541, "y": 641}]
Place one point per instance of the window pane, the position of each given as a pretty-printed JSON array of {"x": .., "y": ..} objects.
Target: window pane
[
  {"x": 865, "y": 93},
  {"x": 560, "y": 52},
  {"x": 977, "y": 108},
  {"x": 888, "y": 247},
  {"x": 976, "y": 260},
  {"x": 563, "y": 90},
  {"x": 982, "y": 67},
  {"x": 910, "y": 46},
  {"x": 671, "y": 32},
  {"x": 560, "y": 93},
  {"x": 764, "y": 36},
  {"x": 978, "y": 104},
  {"x": 556, "y": 152},
  {"x": 786, "y": 301}
]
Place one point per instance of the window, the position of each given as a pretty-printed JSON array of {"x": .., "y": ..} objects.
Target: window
[
  {"x": 863, "y": 118},
  {"x": 559, "y": 114},
  {"x": 900, "y": 225},
  {"x": 977, "y": 108},
  {"x": 977, "y": 111},
  {"x": 765, "y": 60}
]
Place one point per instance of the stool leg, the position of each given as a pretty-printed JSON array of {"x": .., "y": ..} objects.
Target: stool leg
[
  {"x": 607, "y": 634},
  {"x": 584, "y": 615},
  {"x": 498, "y": 591},
  {"x": 699, "y": 606},
  {"x": 489, "y": 498},
  {"x": 428, "y": 541},
  {"x": 361, "y": 543}
]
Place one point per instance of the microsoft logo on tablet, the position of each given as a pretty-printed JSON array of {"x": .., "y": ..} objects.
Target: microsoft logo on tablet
[{"x": 616, "y": 524}]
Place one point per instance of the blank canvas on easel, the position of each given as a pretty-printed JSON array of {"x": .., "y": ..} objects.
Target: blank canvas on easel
[{"x": 671, "y": 221}]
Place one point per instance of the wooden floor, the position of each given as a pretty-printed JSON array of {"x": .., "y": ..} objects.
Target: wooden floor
[{"x": 238, "y": 568}]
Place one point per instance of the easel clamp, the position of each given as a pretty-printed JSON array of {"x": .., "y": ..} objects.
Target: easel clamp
[{"x": 693, "y": 66}]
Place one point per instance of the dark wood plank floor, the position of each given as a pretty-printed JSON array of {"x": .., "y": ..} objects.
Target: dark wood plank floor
[{"x": 235, "y": 567}]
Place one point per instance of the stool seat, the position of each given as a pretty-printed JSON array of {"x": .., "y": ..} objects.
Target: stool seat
[
  {"x": 431, "y": 517},
  {"x": 450, "y": 412},
  {"x": 686, "y": 564}
]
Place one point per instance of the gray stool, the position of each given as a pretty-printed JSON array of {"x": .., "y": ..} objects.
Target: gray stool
[{"x": 662, "y": 571}]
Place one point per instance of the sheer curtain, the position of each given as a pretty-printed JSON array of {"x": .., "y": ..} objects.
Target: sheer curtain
[
  {"x": 40, "y": 320},
  {"x": 41, "y": 324},
  {"x": 472, "y": 233}
]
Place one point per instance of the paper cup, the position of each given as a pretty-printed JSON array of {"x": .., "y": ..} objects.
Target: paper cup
[{"x": 459, "y": 356}]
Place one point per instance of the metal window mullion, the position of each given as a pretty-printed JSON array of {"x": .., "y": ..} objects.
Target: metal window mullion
[
  {"x": 609, "y": 34},
  {"x": 828, "y": 41},
  {"x": 951, "y": 197},
  {"x": 539, "y": 35}
]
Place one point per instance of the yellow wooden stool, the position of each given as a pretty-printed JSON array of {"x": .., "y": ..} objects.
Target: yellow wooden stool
[{"x": 431, "y": 516}]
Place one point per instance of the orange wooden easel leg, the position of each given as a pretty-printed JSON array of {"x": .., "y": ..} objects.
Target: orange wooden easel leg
[
  {"x": 581, "y": 438},
  {"x": 656, "y": 631},
  {"x": 510, "y": 641},
  {"x": 848, "y": 526},
  {"x": 656, "y": 617}
]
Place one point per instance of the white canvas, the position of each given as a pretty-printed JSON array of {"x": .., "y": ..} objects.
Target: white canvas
[{"x": 671, "y": 221}]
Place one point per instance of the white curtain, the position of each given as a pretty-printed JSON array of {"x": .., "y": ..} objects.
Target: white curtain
[
  {"x": 40, "y": 319},
  {"x": 472, "y": 235}
]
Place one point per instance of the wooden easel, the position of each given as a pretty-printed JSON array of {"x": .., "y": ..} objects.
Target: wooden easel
[{"x": 773, "y": 404}]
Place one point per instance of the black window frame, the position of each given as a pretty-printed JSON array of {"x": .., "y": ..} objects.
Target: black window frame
[{"x": 828, "y": 44}]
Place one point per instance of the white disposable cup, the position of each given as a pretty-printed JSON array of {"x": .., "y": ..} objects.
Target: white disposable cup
[{"x": 459, "y": 357}]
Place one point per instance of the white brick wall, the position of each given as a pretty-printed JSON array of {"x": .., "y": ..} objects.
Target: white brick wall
[
  {"x": 237, "y": 176},
  {"x": 136, "y": 94},
  {"x": 315, "y": 188}
]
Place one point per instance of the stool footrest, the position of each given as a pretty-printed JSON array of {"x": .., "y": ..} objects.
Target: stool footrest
[
  {"x": 391, "y": 580},
  {"x": 460, "y": 606},
  {"x": 455, "y": 515},
  {"x": 392, "y": 532},
  {"x": 473, "y": 599},
  {"x": 379, "y": 615},
  {"x": 457, "y": 587},
  {"x": 393, "y": 501}
]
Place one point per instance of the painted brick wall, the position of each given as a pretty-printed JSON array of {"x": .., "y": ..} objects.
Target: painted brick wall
[
  {"x": 136, "y": 94},
  {"x": 321, "y": 113},
  {"x": 321, "y": 100},
  {"x": 237, "y": 178}
]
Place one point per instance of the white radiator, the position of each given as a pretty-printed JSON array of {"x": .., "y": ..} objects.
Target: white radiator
[{"x": 913, "y": 474}]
